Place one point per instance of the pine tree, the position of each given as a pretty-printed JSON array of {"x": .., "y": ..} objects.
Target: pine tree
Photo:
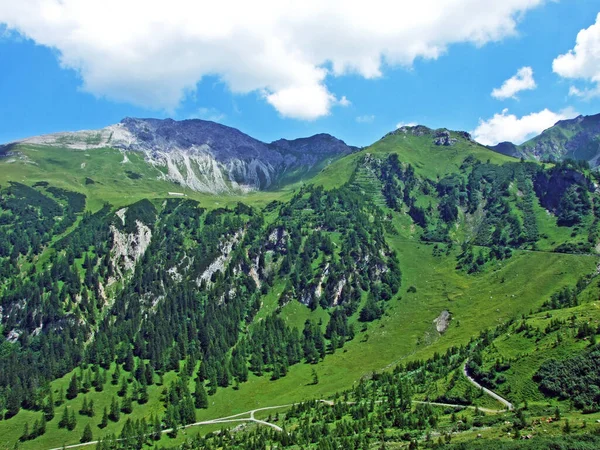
[
  {"x": 115, "y": 413},
  {"x": 129, "y": 363},
  {"x": 126, "y": 405},
  {"x": 224, "y": 378},
  {"x": 41, "y": 428},
  {"x": 84, "y": 407},
  {"x": 123, "y": 389},
  {"x": 87, "y": 382},
  {"x": 25, "y": 436},
  {"x": 49, "y": 407},
  {"x": 64, "y": 420},
  {"x": 212, "y": 386},
  {"x": 99, "y": 380},
  {"x": 200, "y": 396},
  {"x": 104, "y": 422},
  {"x": 72, "y": 422},
  {"x": 156, "y": 429},
  {"x": 116, "y": 376},
  {"x": 315, "y": 377},
  {"x": 73, "y": 388},
  {"x": 61, "y": 397},
  {"x": 143, "y": 396},
  {"x": 87, "y": 434}
]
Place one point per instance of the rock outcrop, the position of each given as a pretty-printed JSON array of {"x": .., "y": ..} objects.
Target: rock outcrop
[
  {"x": 205, "y": 156},
  {"x": 442, "y": 137},
  {"x": 128, "y": 248}
]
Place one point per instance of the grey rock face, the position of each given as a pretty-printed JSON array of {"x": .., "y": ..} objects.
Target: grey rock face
[
  {"x": 442, "y": 137},
  {"x": 206, "y": 156}
]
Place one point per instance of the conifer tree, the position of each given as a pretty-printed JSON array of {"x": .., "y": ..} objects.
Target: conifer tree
[
  {"x": 123, "y": 389},
  {"x": 41, "y": 428},
  {"x": 64, "y": 420},
  {"x": 87, "y": 434},
  {"x": 116, "y": 375},
  {"x": 104, "y": 421},
  {"x": 61, "y": 397},
  {"x": 126, "y": 405},
  {"x": 143, "y": 396},
  {"x": 49, "y": 407},
  {"x": 84, "y": 407},
  {"x": 200, "y": 397},
  {"x": 25, "y": 436},
  {"x": 72, "y": 421},
  {"x": 73, "y": 388},
  {"x": 115, "y": 413}
]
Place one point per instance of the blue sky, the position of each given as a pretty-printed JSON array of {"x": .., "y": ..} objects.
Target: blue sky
[{"x": 49, "y": 82}]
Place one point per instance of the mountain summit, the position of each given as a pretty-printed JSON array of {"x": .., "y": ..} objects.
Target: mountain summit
[
  {"x": 577, "y": 138},
  {"x": 206, "y": 156}
]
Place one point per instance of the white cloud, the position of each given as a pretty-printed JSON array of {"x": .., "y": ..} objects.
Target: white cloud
[
  {"x": 521, "y": 81},
  {"x": 153, "y": 53},
  {"x": 344, "y": 101},
  {"x": 211, "y": 114},
  {"x": 583, "y": 61},
  {"x": 368, "y": 118},
  {"x": 586, "y": 93},
  {"x": 508, "y": 127},
  {"x": 405, "y": 124}
]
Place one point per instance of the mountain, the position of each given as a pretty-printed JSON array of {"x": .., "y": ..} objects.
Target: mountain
[
  {"x": 205, "y": 156},
  {"x": 577, "y": 138},
  {"x": 366, "y": 305}
]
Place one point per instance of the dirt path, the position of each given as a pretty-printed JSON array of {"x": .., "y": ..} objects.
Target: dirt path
[
  {"x": 228, "y": 419},
  {"x": 251, "y": 416},
  {"x": 492, "y": 394}
]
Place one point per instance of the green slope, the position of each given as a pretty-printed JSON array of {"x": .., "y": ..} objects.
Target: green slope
[
  {"x": 102, "y": 176},
  {"x": 372, "y": 206},
  {"x": 577, "y": 138},
  {"x": 415, "y": 146}
]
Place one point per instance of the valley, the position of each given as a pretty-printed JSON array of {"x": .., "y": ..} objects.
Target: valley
[{"x": 352, "y": 291}]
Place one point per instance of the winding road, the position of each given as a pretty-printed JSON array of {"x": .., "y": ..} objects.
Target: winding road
[
  {"x": 492, "y": 394},
  {"x": 228, "y": 419},
  {"x": 250, "y": 415}
]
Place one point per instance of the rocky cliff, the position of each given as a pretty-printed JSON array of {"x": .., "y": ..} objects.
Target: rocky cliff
[{"x": 206, "y": 156}]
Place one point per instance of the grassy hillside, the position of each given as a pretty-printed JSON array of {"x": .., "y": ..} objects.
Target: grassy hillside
[
  {"x": 419, "y": 150},
  {"x": 405, "y": 333},
  {"x": 279, "y": 297},
  {"x": 577, "y": 138},
  {"x": 109, "y": 175}
]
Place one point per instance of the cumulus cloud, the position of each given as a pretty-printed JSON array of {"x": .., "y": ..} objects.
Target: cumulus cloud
[
  {"x": 344, "y": 101},
  {"x": 521, "y": 81},
  {"x": 405, "y": 124},
  {"x": 153, "y": 53},
  {"x": 368, "y": 118},
  {"x": 583, "y": 61},
  {"x": 508, "y": 127},
  {"x": 211, "y": 114}
]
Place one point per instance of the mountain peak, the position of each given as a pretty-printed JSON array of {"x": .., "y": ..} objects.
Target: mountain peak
[
  {"x": 439, "y": 136},
  {"x": 577, "y": 138},
  {"x": 207, "y": 156}
]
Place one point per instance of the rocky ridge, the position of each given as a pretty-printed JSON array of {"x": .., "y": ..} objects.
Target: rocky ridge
[{"x": 206, "y": 156}]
